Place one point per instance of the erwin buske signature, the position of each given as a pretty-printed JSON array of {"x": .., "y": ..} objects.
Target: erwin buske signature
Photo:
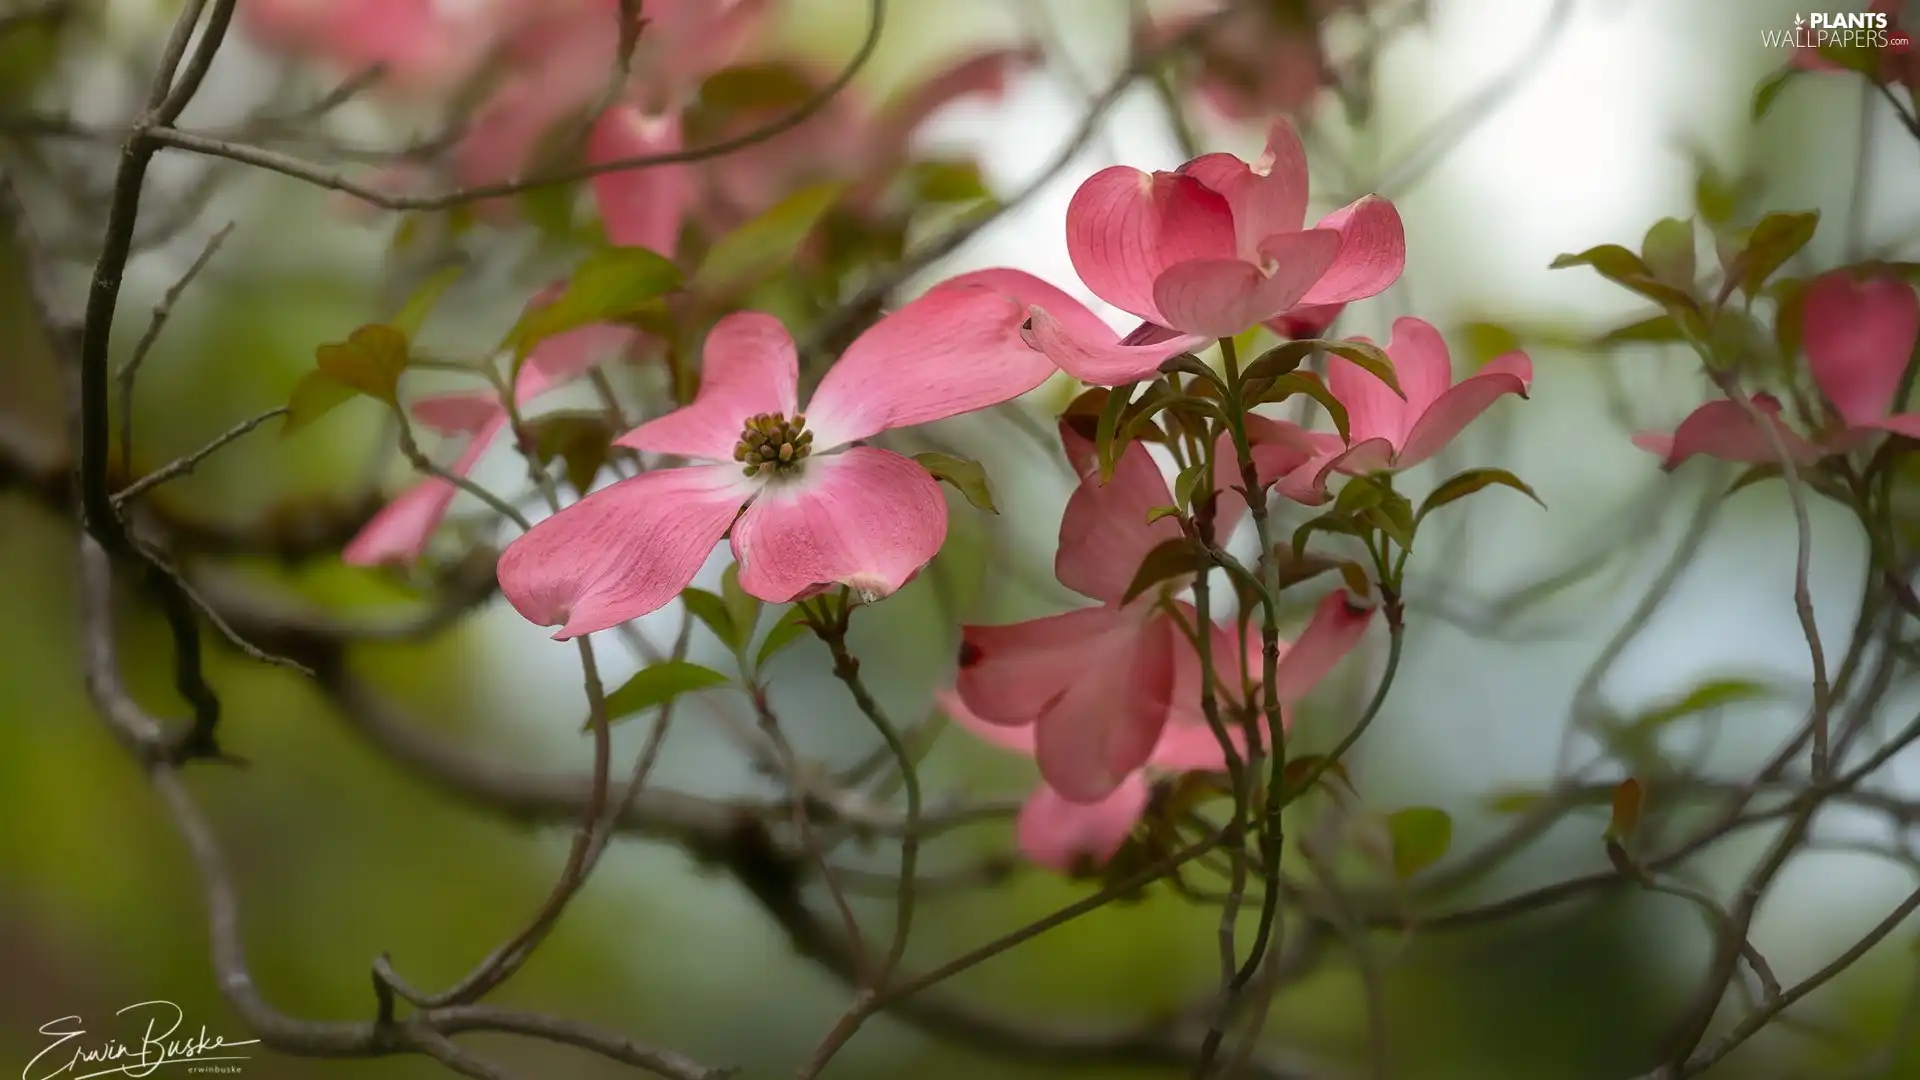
[{"x": 66, "y": 1059}]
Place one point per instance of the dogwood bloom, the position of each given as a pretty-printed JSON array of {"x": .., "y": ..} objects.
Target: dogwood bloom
[
  {"x": 1387, "y": 431},
  {"x": 806, "y": 505},
  {"x": 1859, "y": 335},
  {"x": 1064, "y": 835},
  {"x": 1207, "y": 251},
  {"x": 400, "y": 531},
  {"x": 1098, "y": 685},
  {"x": 1258, "y": 60},
  {"x": 421, "y": 46}
]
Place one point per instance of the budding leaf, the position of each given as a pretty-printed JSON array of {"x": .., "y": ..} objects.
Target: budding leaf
[
  {"x": 1104, "y": 437},
  {"x": 766, "y": 245},
  {"x": 1709, "y": 695},
  {"x": 314, "y": 396},
  {"x": 784, "y": 633},
  {"x": 370, "y": 363},
  {"x": 712, "y": 611},
  {"x": 953, "y": 181},
  {"x": 610, "y": 285},
  {"x": 1628, "y": 799},
  {"x": 1421, "y": 836},
  {"x": 966, "y": 475},
  {"x": 1169, "y": 559},
  {"x": 657, "y": 685},
  {"x": 1185, "y": 483},
  {"x": 1668, "y": 250},
  {"x": 1158, "y": 512},
  {"x": 1661, "y": 329},
  {"x": 1462, "y": 484},
  {"x": 1777, "y": 238},
  {"x": 1303, "y": 382}
]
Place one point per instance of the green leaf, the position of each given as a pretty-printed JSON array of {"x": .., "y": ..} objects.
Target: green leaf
[
  {"x": 1735, "y": 339},
  {"x": 1462, "y": 484},
  {"x": 1305, "y": 382},
  {"x": 1359, "y": 493},
  {"x": 1661, "y": 329},
  {"x": 1709, "y": 695},
  {"x": 1516, "y": 801},
  {"x": 712, "y": 611},
  {"x": 1777, "y": 238},
  {"x": 1394, "y": 517},
  {"x": 370, "y": 361},
  {"x": 1768, "y": 91},
  {"x": 1370, "y": 358},
  {"x": 949, "y": 181},
  {"x": 413, "y": 314},
  {"x": 658, "y": 684},
  {"x": 314, "y": 396},
  {"x": 1159, "y": 512},
  {"x": 1421, "y": 836},
  {"x": 1184, "y": 483},
  {"x": 784, "y": 633},
  {"x": 581, "y": 438},
  {"x": 1169, "y": 559},
  {"x": 1294, "y": 777},
  {"x": 1486, "y": 340},
  {"x": 742, "y": 610},
  {"x": 764, "y": 85},
  {"x": 610, "y": 285},
  {"x": 1104, "y": 435},
  {"x": 1189, "y": 364},
  {"x": 1668, "y": 250},
  {"x": 966, "y": 475},
  {"x": 1789, "y": 315},
  {"x": 1624, "y": 268},
  {"x": 767, "y": 245},
  {"x": 1333, "y": 521}
]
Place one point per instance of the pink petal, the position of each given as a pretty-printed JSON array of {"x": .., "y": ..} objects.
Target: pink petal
[
  {"x": 1188, "y": 743},
  {"x": 864, "y": 518},
  {"x": 1455, "y": 409},
  {"x": 1337, "y": 626},
  {"x": 1104, "y": 725},
  {"x": 1859, "y": 336},
  {"x": 1010, "y": 674},
  {"x": 1373, "y": 252},
  {"x": 1103, "y": 360},
  {"x": 956, "y": 349},
  {"x": 1307, "y": 484},
  {"x": 1066, "y": 836},
  {"x": 1374, "y": 411},
  {"x": 747, "y": 367},
  {"x": 982, "y": 74},
  {"x": 563, "y": 358},
  {"x": 1907, "y": 424},
  {"x": 1018, "y": 739},
  {"x": 400, "y": 531},
  {"x": 640, "y": 207},
  {"x": 1722, "y": 429},
  {"x": 1104, "y": 533},
  {"x": 623, "y": 551},
  {"x": 1221, "y": 297},
  {"x": 1306, "y": 320},
  {"x": 1124, "y": 227},
  {"x": 1267, "y": 199},
  {"x": 1032, "y": 292},
  {"x": 462, "y": 412},
  {"x": 1280, "y": 446}
]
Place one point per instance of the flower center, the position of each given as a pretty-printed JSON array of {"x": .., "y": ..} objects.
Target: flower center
[{"x": 773, "y": 444}]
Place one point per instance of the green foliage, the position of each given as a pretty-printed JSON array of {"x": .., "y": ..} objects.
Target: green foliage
[
  {"x": 656, "y": 685},
  {"x": 1462, "y": 484},
  {"x": 369, "y": 363},
  {"x": 1421, "y": 836},
  {"x": 612, "y": 285},
  {"x": 1624, "y": 268},
  {"x": 1777, "y": 238},
  {"x": 1169, "y": 559},
  {"x": 1768, "y": 90},
  {"x": 1709, "y": 695},
  {"x": 1284, "y": 358},
  {"x": 791, "y": 627},
  {"x": 413, "y": 315},
  {"x": 966, "y": 475},
  {"x": 1668, "y": 251},
  {"x": 583, "y": 439},
  {"x": 765, "y": 246}
]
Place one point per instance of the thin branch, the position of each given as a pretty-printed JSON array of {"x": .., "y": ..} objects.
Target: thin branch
[
  {"x": 162, "y": 311},
  {"x": 182, "y": 466}
]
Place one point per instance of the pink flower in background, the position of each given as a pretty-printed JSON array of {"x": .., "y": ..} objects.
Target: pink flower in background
[
  {"x": 1306, "y": 321},
  {"x": 1390, "y": 432},
  {"x": 1858, "y": 333},
  {"x": 400, "y": 531},
  {"x": 1259, "y": 61},
  {"x": 807, "y": 506},
  {"x": 1206, "y": 252},
  {"x": 1065, "y": 827},
  {"x": 851, "y": 138},
  {"x": 421, "y": 46},
  {"x": 1099, "y": 684},
  {"x": 1898, "y": 62}
]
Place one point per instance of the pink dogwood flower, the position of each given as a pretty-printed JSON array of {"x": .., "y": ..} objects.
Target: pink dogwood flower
[
  {"x": 1387, "y": 431},
  {"x": 400, "y": 531},
  {"x": 1207, "y": 251},
  {"x": 1099, "y": 684},
  {"x": 1064, "y": 835},
  {"x": 1257, "y": 60},
  {"x": 1858, "y": 333},
  {"x": 420, "y": 46},
  {"x": 806, "y": 504}
]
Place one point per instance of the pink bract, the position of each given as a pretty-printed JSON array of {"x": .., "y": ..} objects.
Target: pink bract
[
  {"x": 1099, "y": 684},
  {"x": 1858, "y": 332},
  {"x": 1206, "y": 252},
  {"x": 831, "y": 513},
  {"x": 1387, "y": 431}
]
